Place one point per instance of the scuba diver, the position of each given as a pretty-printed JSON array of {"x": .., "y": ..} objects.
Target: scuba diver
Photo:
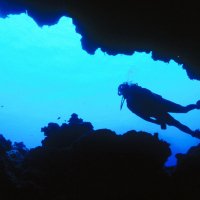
[{"x": 153, "y": 108}]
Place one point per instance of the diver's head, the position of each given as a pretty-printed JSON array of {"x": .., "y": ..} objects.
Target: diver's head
[{"x": 123, "y": 89}]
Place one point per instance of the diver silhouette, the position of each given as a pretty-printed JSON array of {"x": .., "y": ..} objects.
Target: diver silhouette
[{"x": 153, "y": 108}]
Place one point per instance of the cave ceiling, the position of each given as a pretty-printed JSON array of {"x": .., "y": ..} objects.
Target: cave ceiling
[{"x": 168, "y": 29}]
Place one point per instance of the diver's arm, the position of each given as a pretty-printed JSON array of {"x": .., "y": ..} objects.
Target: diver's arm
[
  {"x": 149, "y": 119},
  {"x": 156, "y": 121}
]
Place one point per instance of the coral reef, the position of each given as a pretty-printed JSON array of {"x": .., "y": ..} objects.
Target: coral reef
[{"x": 76, "y": 162}]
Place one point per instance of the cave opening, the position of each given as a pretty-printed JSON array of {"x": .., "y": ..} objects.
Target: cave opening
[{"x": 45, "y": 75}]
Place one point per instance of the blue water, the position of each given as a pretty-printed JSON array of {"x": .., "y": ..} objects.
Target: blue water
[{"x": 45, "y": 74}]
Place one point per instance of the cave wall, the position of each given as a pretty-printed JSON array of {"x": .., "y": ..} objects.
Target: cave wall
[{"x": 168, "y": 29}]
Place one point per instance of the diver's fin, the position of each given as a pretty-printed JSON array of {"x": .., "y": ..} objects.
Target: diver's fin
[{"x": 198, "y": 104}]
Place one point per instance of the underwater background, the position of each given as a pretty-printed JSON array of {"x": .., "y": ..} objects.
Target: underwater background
[{"x": 46, "y": 76}]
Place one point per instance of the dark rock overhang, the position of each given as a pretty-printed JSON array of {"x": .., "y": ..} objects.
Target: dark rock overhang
[{"x": 168, "y": 29}]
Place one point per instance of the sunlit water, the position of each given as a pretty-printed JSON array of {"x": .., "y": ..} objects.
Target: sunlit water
[{"x": 45, "y": 74}]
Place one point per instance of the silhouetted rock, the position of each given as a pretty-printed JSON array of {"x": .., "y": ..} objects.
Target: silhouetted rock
[
  {"x": 74, "y": 120},
  {"x": 65, "y": 135},
  {"x": 5, "y": 145},
  {"x": 7, "y": 171},
  {"x": 18, "y": 153},
  {"x": 187, "y": 174},
  {"x": 77, "y": 162},
  {"x": 168, "y": 29},
  {"x": 97, "y": 164}
]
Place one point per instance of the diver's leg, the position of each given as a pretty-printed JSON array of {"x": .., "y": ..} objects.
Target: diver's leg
[
  {"x": 176, "y": 108},
  {"x": 190, "y": 107},
  {"x": 173, "y": 122},
  {"x": 183, "y": 109}
]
